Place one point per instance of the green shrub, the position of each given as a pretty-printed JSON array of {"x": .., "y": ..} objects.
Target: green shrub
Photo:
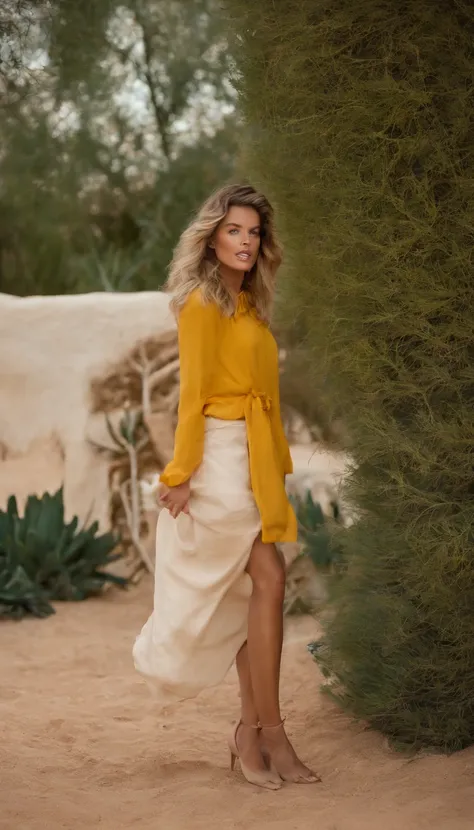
[
  {"x": 361, "y": 129},
  {"x": 43, "y": 559}
]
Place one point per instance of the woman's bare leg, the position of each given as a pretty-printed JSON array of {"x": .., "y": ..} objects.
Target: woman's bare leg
[
  {"x": 265, "y": 640},
  {"x": 248, "y": 709},
  {"x": 248, "y": 737},
  {"x": 265, "y": 629}
]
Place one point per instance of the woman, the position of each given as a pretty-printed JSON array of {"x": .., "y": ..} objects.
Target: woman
[{"x": 219, "y": 581}]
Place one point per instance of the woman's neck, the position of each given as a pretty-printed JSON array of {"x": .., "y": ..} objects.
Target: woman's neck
[{"x": 233, "y": 280}]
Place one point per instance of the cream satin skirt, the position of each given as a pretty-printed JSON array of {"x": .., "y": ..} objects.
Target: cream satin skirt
[{"x": 202, "y": 592}]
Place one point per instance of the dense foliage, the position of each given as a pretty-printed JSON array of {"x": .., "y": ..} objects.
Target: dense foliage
[
  {"x": 361, "y": 129},
  {"x": 43, "y": 558}
]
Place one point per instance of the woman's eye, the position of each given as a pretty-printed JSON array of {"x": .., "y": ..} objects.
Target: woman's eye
[{"x": 234, "y": 231}]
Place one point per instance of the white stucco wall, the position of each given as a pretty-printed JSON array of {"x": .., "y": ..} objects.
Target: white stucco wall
[{"x": 50, "y": 350}]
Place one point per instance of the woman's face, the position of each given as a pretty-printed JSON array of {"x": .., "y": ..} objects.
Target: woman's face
[{"x": 236, "y": 241}]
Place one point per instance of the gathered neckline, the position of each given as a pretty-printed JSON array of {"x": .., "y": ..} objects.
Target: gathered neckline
[{"x": 242, "y": 305}]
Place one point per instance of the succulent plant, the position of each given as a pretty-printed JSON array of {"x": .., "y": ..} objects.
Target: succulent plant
[{"x": 43, "y": 558}]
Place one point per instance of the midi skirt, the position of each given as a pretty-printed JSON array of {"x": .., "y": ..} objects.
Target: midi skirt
[{"x": 202, "y": 590}]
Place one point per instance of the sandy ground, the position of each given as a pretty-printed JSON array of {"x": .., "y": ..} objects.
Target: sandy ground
[{"x": 82, "y": 747}]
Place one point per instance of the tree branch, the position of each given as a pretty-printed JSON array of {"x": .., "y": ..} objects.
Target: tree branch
[{"x": 162, "y": 117}]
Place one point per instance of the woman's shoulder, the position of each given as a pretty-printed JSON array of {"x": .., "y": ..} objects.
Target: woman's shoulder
[
  {"x": 196, "y": 306},
  {"x": 195, "y": 299}
]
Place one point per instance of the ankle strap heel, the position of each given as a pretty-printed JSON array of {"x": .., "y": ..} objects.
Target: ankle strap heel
[{"x": 273, "y": 725}]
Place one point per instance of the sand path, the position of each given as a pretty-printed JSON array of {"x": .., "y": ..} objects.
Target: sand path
[{"x": 82, "y": 748}]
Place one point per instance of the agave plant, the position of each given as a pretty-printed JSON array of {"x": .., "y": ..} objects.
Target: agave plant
[
  {"x": 19, "y": 595},
  {"x": 314, "y": 531},
  {"x": 43, "y": 558}
]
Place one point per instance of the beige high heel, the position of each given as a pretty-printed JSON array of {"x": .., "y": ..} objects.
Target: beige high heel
[
  {"x": 266, "y": 779},
  {"x": 312, "y": 778}
]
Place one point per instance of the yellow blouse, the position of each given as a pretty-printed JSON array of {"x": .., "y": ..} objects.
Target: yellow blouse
[{"x": 229, "y": 370}]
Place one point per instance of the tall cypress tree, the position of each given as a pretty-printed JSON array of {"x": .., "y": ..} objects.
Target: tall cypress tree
[{"x": 361, "y": 124}]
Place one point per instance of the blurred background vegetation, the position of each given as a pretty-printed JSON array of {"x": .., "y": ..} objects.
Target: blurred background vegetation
[{"x": 116, "y": 120}]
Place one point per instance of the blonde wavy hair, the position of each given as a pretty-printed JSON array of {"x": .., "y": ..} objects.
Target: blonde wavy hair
[{"x": 194, "y": 264}]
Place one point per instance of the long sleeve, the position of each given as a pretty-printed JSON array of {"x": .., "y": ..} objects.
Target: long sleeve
[
  {"x": 277, "y": 428},
  {"x": 198, "y": 326}
]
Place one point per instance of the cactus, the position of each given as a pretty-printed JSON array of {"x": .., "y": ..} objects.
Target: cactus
[{"x": 128, "y": 442}]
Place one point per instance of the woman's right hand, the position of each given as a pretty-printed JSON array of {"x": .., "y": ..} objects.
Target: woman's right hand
[{"x": 175, "y": 499}]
